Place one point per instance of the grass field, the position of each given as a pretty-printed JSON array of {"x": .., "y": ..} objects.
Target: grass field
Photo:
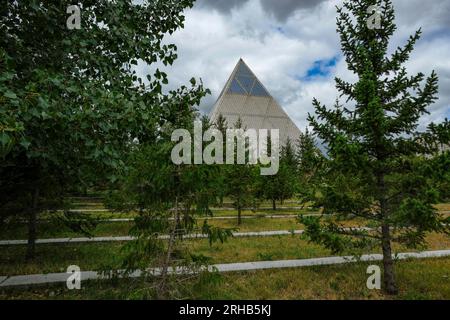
[
  {"x": 418, "y": 279},
  {"x": 92, "y": 256},
  {"x": 49, "y": 230}
]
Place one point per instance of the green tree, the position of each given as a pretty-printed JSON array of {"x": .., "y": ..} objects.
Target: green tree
[
  {"x": 71, "y": 103},
  {"x": 282, "y": 185},
  {"x": 221, "y": 125},
  {"x": 379, "y": 165},
  {"x": 170, "y": 200},
  {"x": 240, "y": 178},
  {"x": 287, "y": 171},
  {"x": 310, "y": 166}
]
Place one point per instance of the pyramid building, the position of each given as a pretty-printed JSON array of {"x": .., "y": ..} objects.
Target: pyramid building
[{"x": 245, "y": 97}]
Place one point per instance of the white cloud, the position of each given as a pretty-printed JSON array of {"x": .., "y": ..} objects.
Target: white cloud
[{"x": 281, "y": 51}]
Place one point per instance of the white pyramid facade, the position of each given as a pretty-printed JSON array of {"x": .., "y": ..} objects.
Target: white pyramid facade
[{"x": 244, "y": 96}]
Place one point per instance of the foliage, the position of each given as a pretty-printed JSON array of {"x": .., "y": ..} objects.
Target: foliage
[
  {"x": 282, "y": 185},
  {"x": 71, "y": 103},
  {"x": 379, "y": 165},
  {"x": 170, "y": 199},
  {"x": 240, "y": 179},
  {"x": 221, "y": 124},
  {"x": 310, "y": 166}
]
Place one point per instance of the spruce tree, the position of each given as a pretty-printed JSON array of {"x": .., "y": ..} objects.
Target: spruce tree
[
  {"x": 310, "y": 163},
  {"x": 281, "y": 186},
  {"x": 221, "y": 125},
  {"x": 240, "y": 178},
  {"x": 380, "y": 166}
]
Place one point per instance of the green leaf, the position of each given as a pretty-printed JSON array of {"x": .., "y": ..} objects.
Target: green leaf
[
  {"x": 4, "y": 138},
  {"x": 10, "y": 95},
  {"x": 25, "y": 143}
]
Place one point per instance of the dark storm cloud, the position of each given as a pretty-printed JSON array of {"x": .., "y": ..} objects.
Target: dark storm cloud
[
  {"x": 281, "y": 9},
  {"x": 220, "y": 5}
]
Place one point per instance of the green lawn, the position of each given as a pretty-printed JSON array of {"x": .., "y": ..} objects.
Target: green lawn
[
  {"x": 92, "y": 256},
  {"x": 47, "y": 230},
  {"x": 56, "y": 258},
  {"x": 417, "y": 279}
]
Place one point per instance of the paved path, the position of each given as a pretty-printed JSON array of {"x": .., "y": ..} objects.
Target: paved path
[
  {"x": 39, "y": 279},
  {"x": 254, "y": 216},
  {"x": 212, "y": 209},
  {"x": 128, "y": 238}
]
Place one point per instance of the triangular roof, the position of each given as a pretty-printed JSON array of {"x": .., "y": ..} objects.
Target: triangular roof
[{"x": 245, "y": 97}]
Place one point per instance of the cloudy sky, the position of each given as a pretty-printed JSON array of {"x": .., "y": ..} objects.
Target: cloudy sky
[{"x": 293, "y": 48}]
